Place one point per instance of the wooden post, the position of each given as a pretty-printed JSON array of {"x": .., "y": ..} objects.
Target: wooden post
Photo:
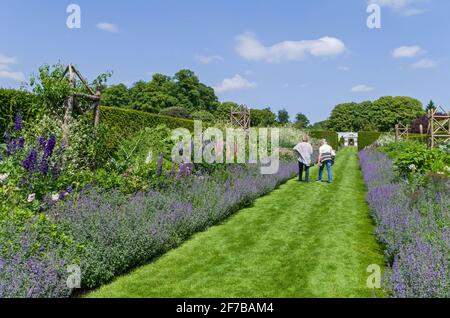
[
  {"x": 432, "y": 128},
  {"x": 68, "y": 107},
  {"x": 98, "y": 94}
]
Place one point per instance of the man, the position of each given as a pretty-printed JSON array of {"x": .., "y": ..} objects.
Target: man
[
  {"x": 304, "y": 150},
  {"x": 326, "y": 157}
]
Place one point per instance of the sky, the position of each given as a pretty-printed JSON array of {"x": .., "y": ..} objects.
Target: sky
[{"x": 302, "y": 55}]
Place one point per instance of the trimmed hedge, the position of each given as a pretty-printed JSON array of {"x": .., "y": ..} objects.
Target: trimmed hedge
[
  {"x": 367, "y": 138},
  {"x": 123, "y": 124},
  {"x": 330, "y": 136},
  {"x": 12, "y": 102}
]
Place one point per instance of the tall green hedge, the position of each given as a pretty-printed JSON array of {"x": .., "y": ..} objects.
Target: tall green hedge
[
  {"x": 367, "y": 138},
  {"x": 13, "y": 101},
  {"x": 330, "y": 136},
  {"x": 123, "y": 123}
]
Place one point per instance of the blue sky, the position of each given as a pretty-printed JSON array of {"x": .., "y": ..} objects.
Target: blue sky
[{"x": 305, "y": 56}]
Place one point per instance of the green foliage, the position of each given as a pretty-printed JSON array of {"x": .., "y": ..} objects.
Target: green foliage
[
  {"x": 223, "y": 111},
  {"x": 178, "y": 112},
  {"x": 51, "y": 87},
  {"x": 301, "y": 121},
  {"x": 319, "y": 126},
  {"x": 164, "y": 92},
  {"x": 283, "y": 117},
  {"x": 367, "y": 138},
  {"x": 116, "y": 96},
  {"x": 203, "y": 115},
  {"x": 13, "y": 102},
  {"x": 380, "y": 115},
  {"x": 423, "y": 139},
  {"x": 415, "y": 158},
  {"x": 430, "y": 106},
  {"x": 123, "y": 124},
  {"x": 262, "y": 118},
  {"x": 330, "y": 136}
]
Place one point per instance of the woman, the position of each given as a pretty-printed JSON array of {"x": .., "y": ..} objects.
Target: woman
[
  {"x": 305, "y": 151},
  {"x": 326, "y": 156}
]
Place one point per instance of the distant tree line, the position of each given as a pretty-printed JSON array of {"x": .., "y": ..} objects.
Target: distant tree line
[
  {"x": 380, "y": 115},
  {"x": 184, "y": 96}
]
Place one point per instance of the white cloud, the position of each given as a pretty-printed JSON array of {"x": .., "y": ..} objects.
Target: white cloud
[
  {"x": 5, "y": 69},
  {"x": 108, "y": 27},
  {"x": 15, "y": 76},
  {"x": 237, "y": 82},
  {"x": 425, "y": 63},
  {"x": 344, "y": 68},
  {"x": 208, "y": 59},
  {"x": 7, "y": 60},
  {"x": 404, "y": 7},
  {"x": 407, "y": 51},
  {"x": 250, "y": 48},
  {"x": 361, "y": 88}
]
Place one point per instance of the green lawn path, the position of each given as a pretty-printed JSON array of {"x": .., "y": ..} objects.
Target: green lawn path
[{"x": 301, "y": 240}]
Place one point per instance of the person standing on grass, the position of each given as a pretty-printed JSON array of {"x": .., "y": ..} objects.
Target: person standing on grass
[
  {"x": 326, "y": 157},
  {"x": 304, "y": 151}
]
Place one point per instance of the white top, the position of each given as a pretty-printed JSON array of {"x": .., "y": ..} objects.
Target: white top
[{"x": 325, "y": 148}]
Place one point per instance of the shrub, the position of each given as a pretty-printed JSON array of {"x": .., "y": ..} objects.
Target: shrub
[
  {"x": 366, "y": 139},
  {"x": 120, "y": 232},
  {"x": 411, "y": 224},
  {"x": 330, "y": 136},
  {"x": 412, "y": 157},
  {"x": 203, "y": 116},
  {"x": 178, "y": 112},
  {"x": 34, "y": 255},
  {"x": 121, "y": 124},
  {"x": 13, "y": 102}
]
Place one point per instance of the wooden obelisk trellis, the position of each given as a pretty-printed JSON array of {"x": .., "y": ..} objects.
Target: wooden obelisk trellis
[
  {"x": 240, "y": 116},
  {"x": 401, "y": 131},
  {"x": 439, "y": 127},
  {"x": 70, "y": 102}
]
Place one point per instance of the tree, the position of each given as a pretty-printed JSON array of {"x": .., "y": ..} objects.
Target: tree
[
  {"x": 430, "y": 106},
  {"x": 203, "y": 115},
  {"x": 319, "y": 126},
  {"x": 116, "y": 96},
  {"x": 223, "y": 112},
  {"x": 380, "y": 115},
  {"x": 301, "y": 121},
  {"x": 283, "y": 117},
  {"x": 262, "y": 117}
]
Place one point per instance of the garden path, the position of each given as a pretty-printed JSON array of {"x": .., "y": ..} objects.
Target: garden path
[{"x": 301, "y": 240}]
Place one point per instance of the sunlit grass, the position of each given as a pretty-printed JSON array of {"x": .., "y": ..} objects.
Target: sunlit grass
[{"x": 302, "y": 240}]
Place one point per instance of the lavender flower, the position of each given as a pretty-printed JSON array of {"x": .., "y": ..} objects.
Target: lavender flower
[{"x": 18, "y": 122}]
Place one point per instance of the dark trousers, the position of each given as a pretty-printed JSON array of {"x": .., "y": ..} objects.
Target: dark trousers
[{"x": 302, "y": 167}]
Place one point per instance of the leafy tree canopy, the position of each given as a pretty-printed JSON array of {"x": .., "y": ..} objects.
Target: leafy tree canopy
[
  {"x": 182, "y": 90},
  {"x": 263, "y": 118},
  {"x": 283, "y": 117},
  {"x": 301, "y": 121},
  {"x": 380, "y": 115}
]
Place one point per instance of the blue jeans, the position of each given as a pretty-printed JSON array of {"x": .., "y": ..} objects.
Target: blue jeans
[{"x": 328, "y": 164}]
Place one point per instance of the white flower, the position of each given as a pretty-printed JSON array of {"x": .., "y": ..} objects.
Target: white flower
[
  {"x": 412, "y": 167},
  {"x": 31, "y": 197},
  {"x": 3, "y": 177},
  {"x": 149, "y": 157},
  {"x": 55, "y": 197}
]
